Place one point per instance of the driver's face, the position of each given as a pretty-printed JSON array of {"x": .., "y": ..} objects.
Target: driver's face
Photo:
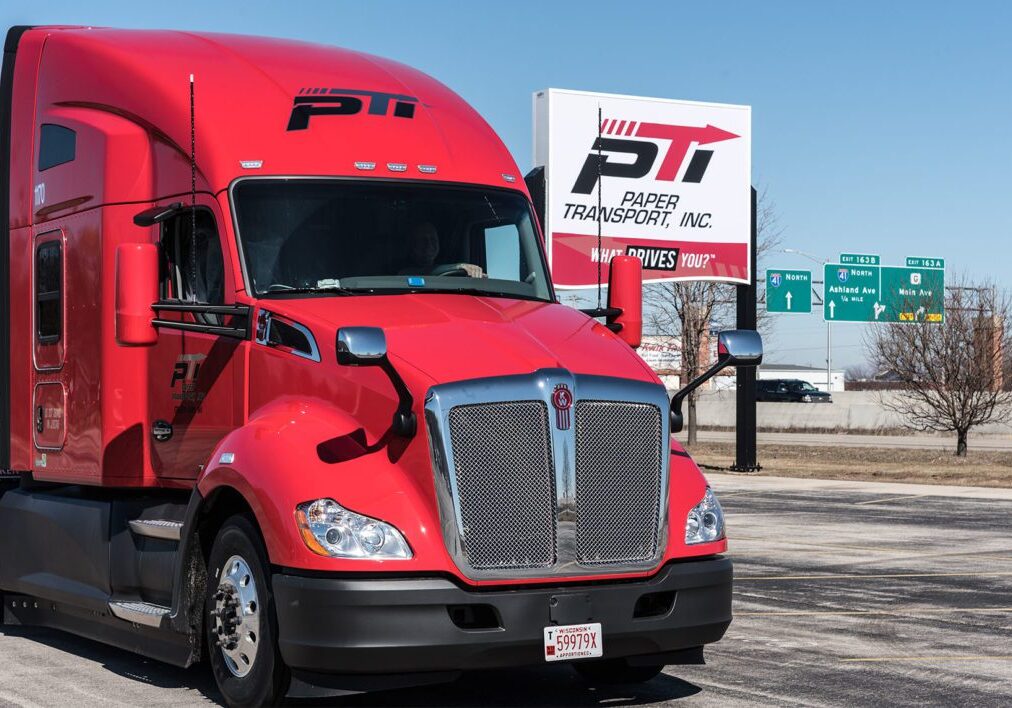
[{"x": 424, "y": 244}]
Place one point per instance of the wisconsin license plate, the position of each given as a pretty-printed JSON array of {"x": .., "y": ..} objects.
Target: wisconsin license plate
[{"x": 573, "y": 641}]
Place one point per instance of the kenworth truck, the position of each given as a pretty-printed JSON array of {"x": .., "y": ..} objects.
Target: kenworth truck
[{"x": 286, "y": 385}]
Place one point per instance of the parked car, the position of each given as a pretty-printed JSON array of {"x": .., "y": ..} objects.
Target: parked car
[{"x": 790, "y": 391}]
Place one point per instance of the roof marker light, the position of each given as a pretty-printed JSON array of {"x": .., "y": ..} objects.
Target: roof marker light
[
  {"x": 509, "y": 178},
  {"x": 365, "y": 165},
  {"x": 397, "y": 167},
  {"x": 427, "y": 169},
  {"x": 251, "y": 164}
]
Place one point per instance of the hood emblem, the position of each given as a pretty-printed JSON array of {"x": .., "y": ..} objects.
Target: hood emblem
[{"x": 562, "y": 401}]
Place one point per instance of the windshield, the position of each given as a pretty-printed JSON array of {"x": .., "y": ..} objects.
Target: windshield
[
  {"x": 802, "y": 386},
  {"x": 339, "y": 236}
]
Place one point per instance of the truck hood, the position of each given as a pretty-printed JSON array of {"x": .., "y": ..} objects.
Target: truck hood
[{"x": 450, "y": 337}]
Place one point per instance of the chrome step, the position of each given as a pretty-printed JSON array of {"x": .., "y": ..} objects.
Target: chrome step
[
  {"x": 157, "y": 528},
  {"x": 139, "y": 612}
]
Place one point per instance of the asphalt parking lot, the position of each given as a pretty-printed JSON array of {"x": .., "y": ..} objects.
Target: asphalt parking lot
[{"x": 846, "y": 593}]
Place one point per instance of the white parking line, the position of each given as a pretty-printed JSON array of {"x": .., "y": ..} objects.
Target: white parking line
[
  {"x": 904, "y": 612},
  {"x": 889, "y": 499},
  {"x": 845, "y": 576}
]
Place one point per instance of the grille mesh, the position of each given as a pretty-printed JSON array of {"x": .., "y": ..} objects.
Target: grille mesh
[
  {"x": 505, "y": 483},
  {"x": 618, "y": 481}
]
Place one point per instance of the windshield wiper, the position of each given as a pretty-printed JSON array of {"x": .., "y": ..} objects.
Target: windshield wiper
[
  {"x": 329, "y": 290},
  {"x": 479, "y": 292}
]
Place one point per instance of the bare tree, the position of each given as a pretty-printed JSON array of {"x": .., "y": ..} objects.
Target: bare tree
[
  {"x": 860, "y": 372},
  {"x": 691, "y": 310},
  {"x": 953, "y": 371}
]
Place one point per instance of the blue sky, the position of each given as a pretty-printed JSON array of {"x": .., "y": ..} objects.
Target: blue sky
[{"x": 877, "y": 127}]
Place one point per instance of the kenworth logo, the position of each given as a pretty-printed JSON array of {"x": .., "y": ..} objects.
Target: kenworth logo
[
  {"x": 680, "y": 139},
  {"x": 346, "y": 102}
]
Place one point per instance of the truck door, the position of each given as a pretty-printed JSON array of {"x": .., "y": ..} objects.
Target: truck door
[
  {"x": 192, "y": 385},
  {"x": 49, "y": 396}
]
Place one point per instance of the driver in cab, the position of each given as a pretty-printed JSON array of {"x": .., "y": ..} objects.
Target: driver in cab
[{"x": 423, "y": 249}]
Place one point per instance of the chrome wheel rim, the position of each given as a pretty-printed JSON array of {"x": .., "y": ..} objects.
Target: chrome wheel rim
[{"x": 236, "y": 616}]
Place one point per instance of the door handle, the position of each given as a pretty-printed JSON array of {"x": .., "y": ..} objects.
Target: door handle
[{"x": 39, "y": 420}]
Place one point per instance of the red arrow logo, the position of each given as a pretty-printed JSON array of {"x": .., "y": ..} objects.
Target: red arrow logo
[{"x": 681, "y": 137}]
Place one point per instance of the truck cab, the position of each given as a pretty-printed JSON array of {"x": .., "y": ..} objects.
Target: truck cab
[{"x": 289, "y": 385}]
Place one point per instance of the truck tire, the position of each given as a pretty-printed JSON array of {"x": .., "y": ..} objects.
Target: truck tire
[
  {"x": 240, "y": 621},
  {"x": 615, "y": 671}
]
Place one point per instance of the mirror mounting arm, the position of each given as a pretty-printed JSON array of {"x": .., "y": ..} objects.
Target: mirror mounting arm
[
  {"x": 367, "y": 346},
  {"x": 677, "y": 420},
  {"x": 405, "y": 423},
  {"x": 734, "y": 348}
]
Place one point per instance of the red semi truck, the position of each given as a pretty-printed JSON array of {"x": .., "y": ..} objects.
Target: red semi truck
[{"x": 286, "y": 386}]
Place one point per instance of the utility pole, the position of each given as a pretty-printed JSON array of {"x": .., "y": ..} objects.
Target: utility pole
[{"x": 829, "y": 357}]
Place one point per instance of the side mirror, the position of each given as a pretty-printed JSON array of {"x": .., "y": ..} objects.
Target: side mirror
[
  {"x": 736, "y": 347},
  {"x": 367, "y": 346},
  {"x": 625, "y": 296},
  {"x": 136, "y": 292},
  {"x": 740, "y": 347},
  {"x": 361, "y": 346}
]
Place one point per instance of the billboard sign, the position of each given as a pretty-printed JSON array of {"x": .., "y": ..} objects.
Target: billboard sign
[{"x": 669, "y": 181}]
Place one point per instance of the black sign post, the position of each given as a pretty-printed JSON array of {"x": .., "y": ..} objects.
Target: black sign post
[{"x": 745, "y": 423}]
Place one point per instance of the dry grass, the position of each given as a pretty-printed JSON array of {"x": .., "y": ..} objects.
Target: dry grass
[{"x": 978, "y": 469}]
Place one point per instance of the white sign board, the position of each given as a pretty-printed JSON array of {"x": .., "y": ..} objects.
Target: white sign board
[{"x": 674, "y": 180}]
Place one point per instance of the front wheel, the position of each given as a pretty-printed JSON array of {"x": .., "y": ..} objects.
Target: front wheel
[
  {"x": 241, "y": 625},
  {"x": 614, "y": 671}
]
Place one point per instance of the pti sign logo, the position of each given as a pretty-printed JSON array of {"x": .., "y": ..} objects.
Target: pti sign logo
[{"x": 679, "y": 139}]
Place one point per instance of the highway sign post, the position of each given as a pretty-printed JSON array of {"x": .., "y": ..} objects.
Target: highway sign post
[{"x": 789, "y": 291}]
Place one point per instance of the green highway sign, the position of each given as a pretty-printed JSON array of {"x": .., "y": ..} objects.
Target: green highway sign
[
  {"x": 789, "y": 291},
  {"x": 925, "y": 262},
  {"x": 859, "y": 259},
  {"x": 876, "y": 293},
  {"x": 913, "y": 294},
  {"x": 851, "y": 293}
]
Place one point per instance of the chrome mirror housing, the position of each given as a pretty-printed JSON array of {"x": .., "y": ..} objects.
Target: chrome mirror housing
[
  {"x": 739, "y": 347},
  {"x": 361, "y": 346}
]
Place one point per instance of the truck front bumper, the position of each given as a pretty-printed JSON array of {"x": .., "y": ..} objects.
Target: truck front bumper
[{"x": 339, "y": 632}]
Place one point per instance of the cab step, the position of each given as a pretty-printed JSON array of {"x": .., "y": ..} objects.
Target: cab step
[
  {"x": 143, "y": 613},
  {"x": 157, "y": 528}
]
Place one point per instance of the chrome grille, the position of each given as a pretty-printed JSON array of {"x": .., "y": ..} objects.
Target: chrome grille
[
  {"x": 618, "y": 481},
  {"x": 524, "y": 492},
  {"x": 505, "y": 484}
]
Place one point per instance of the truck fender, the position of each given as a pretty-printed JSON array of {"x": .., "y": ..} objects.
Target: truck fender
[
  {"x": 235, "y": 467},
  {"x": 298, "y": 450}
]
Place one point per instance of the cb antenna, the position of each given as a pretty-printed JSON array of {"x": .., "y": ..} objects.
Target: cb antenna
[
  {"x": 600, "y": 255},
  {"x": 193, "y": 197}
]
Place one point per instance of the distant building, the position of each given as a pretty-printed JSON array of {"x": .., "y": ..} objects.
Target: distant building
[{"x": 663, "y": 354}]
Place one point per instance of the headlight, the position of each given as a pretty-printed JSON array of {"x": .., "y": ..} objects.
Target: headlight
[
  {"x": 331, "y": 530},
  {"x": 705, "y": 522},
  {"x": 806, "y": 398}
]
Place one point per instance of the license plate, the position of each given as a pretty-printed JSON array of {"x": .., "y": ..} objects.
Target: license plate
[{"x": 573, "y": 641}]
